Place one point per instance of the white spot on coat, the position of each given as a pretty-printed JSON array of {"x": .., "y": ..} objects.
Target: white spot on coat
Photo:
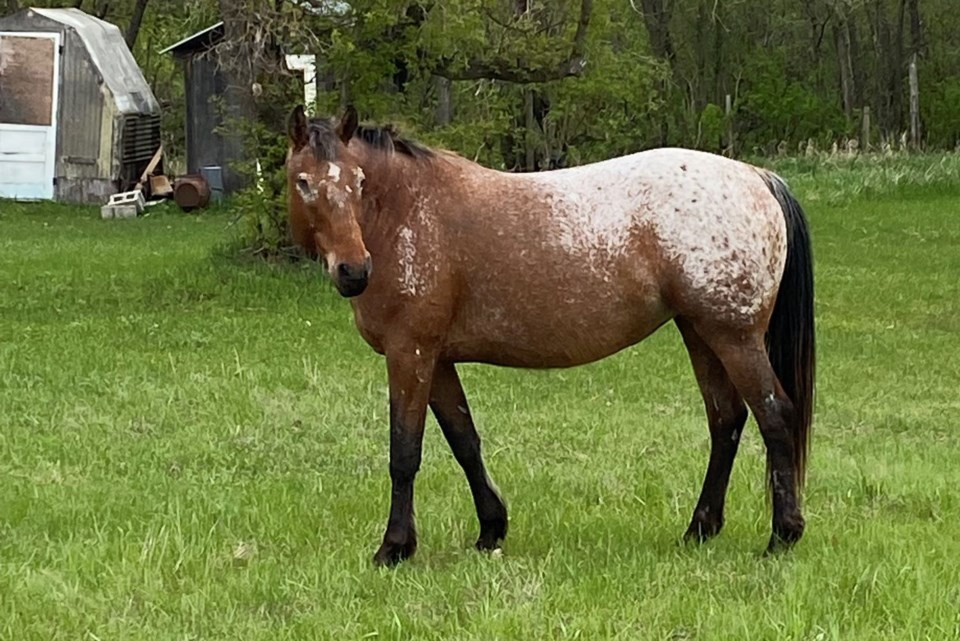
[
  {"x": 588, "y": 223},
  {"x": 407, "y": 255}
]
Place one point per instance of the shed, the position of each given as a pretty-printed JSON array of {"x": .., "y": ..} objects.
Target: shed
[
  {"x": 78, "y": 121},
  {"x": 205, "y": 85}
]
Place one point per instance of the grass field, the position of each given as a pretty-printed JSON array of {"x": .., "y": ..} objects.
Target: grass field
[{"x": 194, "y": 448}]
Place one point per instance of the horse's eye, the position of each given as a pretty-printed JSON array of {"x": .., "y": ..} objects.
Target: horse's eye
[{"x": 304, "y": 188}]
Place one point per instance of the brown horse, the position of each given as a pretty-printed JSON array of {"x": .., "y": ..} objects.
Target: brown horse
[{"x": 445, "y": 261}]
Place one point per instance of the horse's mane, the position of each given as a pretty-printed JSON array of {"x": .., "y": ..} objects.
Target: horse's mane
[{"x": 323, "y": 138}]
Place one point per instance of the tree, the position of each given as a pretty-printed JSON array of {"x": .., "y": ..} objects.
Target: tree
[
  {"x": 516, "y": 67},
  {"x": 133, "y": 29}
]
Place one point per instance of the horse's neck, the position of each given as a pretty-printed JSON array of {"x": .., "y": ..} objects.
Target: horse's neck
[{"x": 390, "y": 182}]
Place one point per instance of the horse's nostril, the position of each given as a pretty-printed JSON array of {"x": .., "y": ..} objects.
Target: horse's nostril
[{"x": 346, "y": 271}]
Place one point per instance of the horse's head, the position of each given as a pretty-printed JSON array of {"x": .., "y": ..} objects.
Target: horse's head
[{"x": 325, "y": 182}]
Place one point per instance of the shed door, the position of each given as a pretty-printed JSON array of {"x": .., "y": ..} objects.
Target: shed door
[{"x": 29, "y": 77}]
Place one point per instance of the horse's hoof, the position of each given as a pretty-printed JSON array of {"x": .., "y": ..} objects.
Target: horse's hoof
[
  {"x": 702, "y": 530},
  {"x": 391, "y": 554},
  {"x": 785, "y": 535},
  {"x": 492, "y": 535},
  {"x": 777, "y": 546}
]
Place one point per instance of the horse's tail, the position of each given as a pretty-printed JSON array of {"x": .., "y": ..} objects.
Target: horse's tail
[{"x": 790, "y": 337}]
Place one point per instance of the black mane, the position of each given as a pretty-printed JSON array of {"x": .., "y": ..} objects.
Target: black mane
[{"x": 323, "y": 138}]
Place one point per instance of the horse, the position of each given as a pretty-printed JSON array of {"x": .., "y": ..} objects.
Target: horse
[{"x": 445, "y": 261}]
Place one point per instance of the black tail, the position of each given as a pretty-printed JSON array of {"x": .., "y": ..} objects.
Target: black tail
[{"x": 790, "y": 337}]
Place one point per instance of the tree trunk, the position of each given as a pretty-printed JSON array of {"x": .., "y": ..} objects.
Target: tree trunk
[
  {"x": 530, "y": 124},
  {"x": 656, "y": 17},
  {"x": 816, "y": 30},
  {"x": 236, "y": 57},
  {"x": 718, "y": 43},
  {"x": 897, "y": 68},
  {"x": 841, "y": 35},
  {"x": 888, "y": 48},
  {"x": 914, "y": 105},
  {"x": 133, "y": 29},
  {"x": 11, "y": 6},
  {"x": 856, "y": 62},
  {"x": 918, "y": 43},
  {"x": 698, "y": 89}
]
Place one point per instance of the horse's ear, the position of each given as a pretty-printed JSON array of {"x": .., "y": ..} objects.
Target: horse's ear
[
  {"x": 348, "y": 125},
  {"x": 297, "y": 128}
]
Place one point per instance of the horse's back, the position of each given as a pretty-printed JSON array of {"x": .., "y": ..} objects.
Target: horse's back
[{"x": 709, "y": 225}]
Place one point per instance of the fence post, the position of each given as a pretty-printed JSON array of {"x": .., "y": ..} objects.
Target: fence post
[
  {"x": 444, "y": 113},
  {"x": 865, "y": 133},
  {"x": 728, "y": 112}
]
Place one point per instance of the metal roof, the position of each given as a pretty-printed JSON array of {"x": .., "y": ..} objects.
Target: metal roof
[
  {"x": 205, "y": 38},
  {"x": 199, "y": 40},
  {"x": 112, "y": 58}
]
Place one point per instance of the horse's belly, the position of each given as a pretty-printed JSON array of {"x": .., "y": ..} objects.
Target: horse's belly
[{"x": 553, "y": 329}]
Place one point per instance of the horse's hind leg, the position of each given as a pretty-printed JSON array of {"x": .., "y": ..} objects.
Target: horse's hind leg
[
  {"x": 745, "y": 359},
  {"x": 449, "y": 405},
  {"x": 726, "y": 415}
]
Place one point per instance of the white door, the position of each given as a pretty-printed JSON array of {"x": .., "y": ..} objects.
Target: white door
[{"x": 29, "y": 81}]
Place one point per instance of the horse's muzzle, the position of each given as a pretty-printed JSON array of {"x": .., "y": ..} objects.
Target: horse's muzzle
[{"x": 351, "y": 280}]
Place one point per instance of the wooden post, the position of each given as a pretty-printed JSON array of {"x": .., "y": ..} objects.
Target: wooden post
[
  {"x": 914, "y": 105},
  {"x": 728, "y": 110},
  {"x": 444, "y": 112},
  {"x": 865, "y": 133}
]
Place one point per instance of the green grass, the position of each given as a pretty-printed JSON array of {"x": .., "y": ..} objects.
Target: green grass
[
  {"x": 839, "y": 179},
  {"x": 193, "y": 448}
]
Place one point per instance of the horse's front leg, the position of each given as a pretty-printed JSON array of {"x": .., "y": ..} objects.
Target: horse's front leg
[{"x": 410, "y": 370}]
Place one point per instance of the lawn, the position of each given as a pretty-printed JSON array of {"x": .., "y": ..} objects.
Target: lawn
[{"x": 196, "y": 448}]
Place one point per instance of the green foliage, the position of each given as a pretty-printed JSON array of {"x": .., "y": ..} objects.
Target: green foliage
[
  {"x": 485, "y": 110},
  {"x": 941, "y": 115},
  {"x": 610, "y": 109},
  {"x": 774, "y": 108},
  {"x": 260, "y": 208},
  {"x": 713, "y": 123}
]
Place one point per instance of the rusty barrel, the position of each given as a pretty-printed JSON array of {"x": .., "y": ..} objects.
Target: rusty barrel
[{"x": 191, "y": 192}]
